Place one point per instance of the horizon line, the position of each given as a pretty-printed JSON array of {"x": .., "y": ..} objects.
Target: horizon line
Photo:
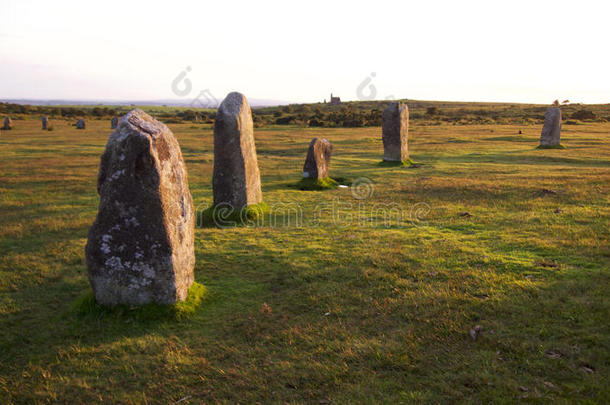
[{"x": 261, "y": 101}]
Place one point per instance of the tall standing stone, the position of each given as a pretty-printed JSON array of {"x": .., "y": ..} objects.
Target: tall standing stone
[
  {"x": 551, "y": 130},
  {"x": 236, "y": 180},
  {"x": 80, "y": 124},
  {"x": 141, "y": 247},
  {"x": 317, "y": 163},
  {"x": 8, "y": 124},
  {"x": 114, "y": 122},
  {"x": 395, "y": 132},
  {"x": 45, "y": 123}
]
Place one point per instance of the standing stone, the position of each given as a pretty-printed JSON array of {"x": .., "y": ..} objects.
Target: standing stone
[
  {"x": 8, "y": 124},
  {"x": 141, "y": 247},
  {"x": 236, "y": 180},
  {"x": 317, "y": 163},
  {"x": 80, "y": 124},
  {"x": 114, "y": 122},
  {"x": 395, "y": 132},
  {"x": 45, "y": 123},
  {"x": 551, "y": 131}
]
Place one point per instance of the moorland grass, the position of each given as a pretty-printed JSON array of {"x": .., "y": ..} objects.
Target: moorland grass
[{"x": 351, "y": 304}]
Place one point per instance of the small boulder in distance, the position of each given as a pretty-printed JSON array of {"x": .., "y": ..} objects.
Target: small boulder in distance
[{"x": 317, "y": 162}]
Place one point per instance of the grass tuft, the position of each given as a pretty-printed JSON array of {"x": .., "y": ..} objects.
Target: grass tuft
[
  {"x": 86, "y": 306},
  {"x": 310, "y": 184},
  {"x": 224, "y": 217}
]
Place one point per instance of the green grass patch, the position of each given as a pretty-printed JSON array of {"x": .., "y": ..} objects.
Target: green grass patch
[
  {"x": 310, "y": 184},
  {"x": 226, "y": 217},
  {"x": 87, "y": 306}
]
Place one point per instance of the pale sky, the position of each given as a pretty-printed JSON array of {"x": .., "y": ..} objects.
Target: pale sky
[{"x": 515, "y": 51}]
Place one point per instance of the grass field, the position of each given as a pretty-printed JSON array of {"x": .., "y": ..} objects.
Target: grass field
[{"x": 343, "y": 308}]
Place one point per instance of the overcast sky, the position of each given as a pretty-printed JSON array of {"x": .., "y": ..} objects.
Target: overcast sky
[{"x": 519, "y": 51}]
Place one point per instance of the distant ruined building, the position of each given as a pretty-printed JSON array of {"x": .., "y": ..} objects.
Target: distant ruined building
[{"x": 334, "y": 100}]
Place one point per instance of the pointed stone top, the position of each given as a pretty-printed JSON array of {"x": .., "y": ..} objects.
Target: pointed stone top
[
  {"x": 233, "y": 103},
  {"x": 138, "y": 121}
]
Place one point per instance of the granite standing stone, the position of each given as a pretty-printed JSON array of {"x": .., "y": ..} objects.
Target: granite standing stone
[
  {"x": 80, "y": 124},
  {"x": 317, "y": 163},
  {"x": 551, "y": 130},
  {"x": 236, "y": 180},
  {"x": 114, "y": 122},
  {"x": 395, "y": 132},
  {"x": 45, "y": 123},
  {"x": 141, "y": 247},
  {"x": 8, "y": 124}
]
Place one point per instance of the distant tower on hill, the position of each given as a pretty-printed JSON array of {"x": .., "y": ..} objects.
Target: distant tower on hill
[{"x": 334, "y": 100}]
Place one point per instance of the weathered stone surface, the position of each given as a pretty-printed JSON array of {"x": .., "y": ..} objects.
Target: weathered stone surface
[
  {"x": 395, "y": 132},
  {"x": 114, "y": 122},
  {"x": 317, "y": 162},
  {"x": 45, "y": 123},
  {"x": 80, "y": 124},
  {"x": 236, "y": 179},
  {"x": 140, "y": 248},
  {"x": 551, "y": 130},
  {"x": 8, "y": 124}
]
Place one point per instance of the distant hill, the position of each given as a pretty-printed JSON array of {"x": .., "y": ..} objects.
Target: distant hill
[
  {"x": 254, "y": 102},
  {"x": 346, "y": 114}
]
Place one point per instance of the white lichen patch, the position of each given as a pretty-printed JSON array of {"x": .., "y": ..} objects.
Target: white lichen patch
[
  {"x": 132, "y": 221},
  {"x": 116, "y": 175},
  {"x": 119, "y": 136},
  {"x": 105, "y": 247},
  {"x": 114, "y": 264}
]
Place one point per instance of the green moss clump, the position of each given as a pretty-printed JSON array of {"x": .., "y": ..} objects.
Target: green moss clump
[
  {"x": 224, "y": 217},
  {"x": 86, "y": 306},
  {"x": 551, "y": 147},
  {"x": 317, "y": 184},
  {"x": 404, "y": 163}
]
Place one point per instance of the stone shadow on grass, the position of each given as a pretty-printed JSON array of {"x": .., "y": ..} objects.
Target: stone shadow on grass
[
  {"x": 517, "y": 157},
  {"x": 54, "y": 316}
]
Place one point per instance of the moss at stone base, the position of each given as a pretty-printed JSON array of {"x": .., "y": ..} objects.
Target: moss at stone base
[
  {"x": 390, "y": 163},
  {"x": 225, "y": 217},
  {"x": 551, "y": 147},
  {"x": 326, "y": 183},
  {"x": 87, "y": 306}
]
